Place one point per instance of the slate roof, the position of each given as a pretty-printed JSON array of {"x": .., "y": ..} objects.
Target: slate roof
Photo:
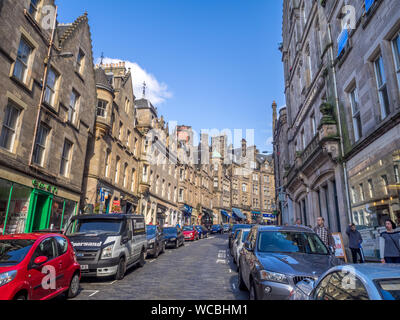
[{"x": 102, "y": 81}]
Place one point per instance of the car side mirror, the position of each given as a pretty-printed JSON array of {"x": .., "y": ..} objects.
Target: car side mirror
[
  {"x": 40, "y": 261},
  {"x": 247, "y": 246}
]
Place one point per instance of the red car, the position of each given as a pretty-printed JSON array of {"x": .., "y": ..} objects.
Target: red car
[
  {"x": 190, "y": 233},
  {"x": 37, "y": 267}
]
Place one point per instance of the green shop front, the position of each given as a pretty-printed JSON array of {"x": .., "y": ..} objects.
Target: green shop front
[{"x": 29, "y": 205}]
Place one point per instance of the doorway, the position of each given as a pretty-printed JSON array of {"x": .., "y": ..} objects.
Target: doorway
[{"x": 41, "y": 211}]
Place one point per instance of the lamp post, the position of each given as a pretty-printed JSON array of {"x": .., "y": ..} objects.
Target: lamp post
[{"x": 47, "y": 62}]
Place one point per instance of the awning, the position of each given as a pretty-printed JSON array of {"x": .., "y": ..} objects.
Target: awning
[
  {"x": 187, "y": 210},
  {"x": 224, "y": 213},
  {"x": 236, "y": 212},
  {"x": 208, "y": 212}
]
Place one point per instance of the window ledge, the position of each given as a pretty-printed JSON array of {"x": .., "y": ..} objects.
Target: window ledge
[
  {"x": 24, "y": 86},
  {"x": 80, "y": 76}
]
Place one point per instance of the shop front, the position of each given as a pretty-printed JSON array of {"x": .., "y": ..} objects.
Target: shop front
[
  {"x": 256, "y": 217},
  {"x": 207, "y": 218},
  {"x": 225, "y": 216},
  {"x": 187, "y": 214},
  {"x": 31, "y": 205},
  {"x": 269, "y": 219},
  {"x": 238, "y": 214},
  {"x": 374, "y": 194}
]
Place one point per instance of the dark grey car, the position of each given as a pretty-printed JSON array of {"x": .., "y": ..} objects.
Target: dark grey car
[{"x": 274, "y": 259}]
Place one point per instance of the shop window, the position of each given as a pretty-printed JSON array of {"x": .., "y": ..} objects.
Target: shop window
[
  {"x": 56, "y": 213},
  {"x": 8, "y": 131},
  {"x": 69, "y": 212},
  {"x": 5, "y": 188},
  {"x": 18, "y": 209}
]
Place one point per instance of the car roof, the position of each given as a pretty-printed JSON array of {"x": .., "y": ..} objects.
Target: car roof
[
  {"x": 375, "y": 270},
  {"x": 28, "y": 236},
  {"x": 113, "y": 216},
  {"x": 283, "y": 228}
]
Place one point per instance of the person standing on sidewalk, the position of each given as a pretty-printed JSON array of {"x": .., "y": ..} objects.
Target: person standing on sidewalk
[
  {"x": 390, "y": 243},
  {"x": 355, "y": 241},
  {"x": 324, "y": 233}
]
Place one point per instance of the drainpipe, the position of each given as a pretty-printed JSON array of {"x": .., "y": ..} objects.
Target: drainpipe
[
  {"x": 44, "y": 83},
  {"x": 346, "y": 181}
]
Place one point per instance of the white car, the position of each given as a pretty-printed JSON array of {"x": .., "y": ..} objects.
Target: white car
[{"x": 238, "y": 243}]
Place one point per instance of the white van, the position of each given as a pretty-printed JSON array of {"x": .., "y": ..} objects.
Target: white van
[{"x": 108, "y": 244}]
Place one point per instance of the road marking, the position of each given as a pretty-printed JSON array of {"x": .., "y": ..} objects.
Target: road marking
[
  {"x": 97, "y": 291},
  {"x": 221, "y": 261}
]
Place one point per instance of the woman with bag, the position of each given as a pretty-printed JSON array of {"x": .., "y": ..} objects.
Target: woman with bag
[{"x": 390, "y": 243}]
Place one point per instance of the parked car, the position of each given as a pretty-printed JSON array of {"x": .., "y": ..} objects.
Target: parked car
[
  {"x": 174, "y": 237},
  {"x": 216, "y": 228},
  {"x": 108, "y": 244},
  {"x": 203, "y": 231},
  {"x": 352, "y": 282},
  {"x": 238, "y": 243},
  {"x": 226, "y": 228},
  {"x": 24, "y": 260},
  {"x": 190, "y": 233},
  {"x": 234, "y": 238},
  {"x": 155, "y": 241},
  {"x": 274, "y": 259},
  {"x": 233, "y": 229}
]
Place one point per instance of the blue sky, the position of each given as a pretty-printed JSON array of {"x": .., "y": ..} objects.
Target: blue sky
[{"x": 208, "y": 63}]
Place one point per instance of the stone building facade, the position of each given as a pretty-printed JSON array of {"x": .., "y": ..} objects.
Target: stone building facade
[
  {"x": 310, "y": 166},
  {"x": 113, "y": 155},
  {"x": 341, "y": 62},
  {"x": 42, "y": 162},
  {"x": 367, "y": 63}
]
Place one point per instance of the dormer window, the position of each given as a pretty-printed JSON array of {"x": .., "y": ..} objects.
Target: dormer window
[{"x": 80, "y": 62}]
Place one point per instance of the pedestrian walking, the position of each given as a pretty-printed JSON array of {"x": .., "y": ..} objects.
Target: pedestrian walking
[
  {"x": 390, "y": 243},
  {"x": 355, "y": 241},
  {"x": 324, "y": 233}
]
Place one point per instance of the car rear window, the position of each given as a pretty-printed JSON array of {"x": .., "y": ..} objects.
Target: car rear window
[
  {"x": 12, "y": 252},
  {"x": 389, "y": 288}
]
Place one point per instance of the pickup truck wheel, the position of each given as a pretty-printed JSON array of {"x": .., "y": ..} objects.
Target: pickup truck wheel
[
  {"x": 253, "y": 294},
  {"x": 121, "y": 269},
  {"x": 73, "y": 287},
  {"x": 142, "y": 260}
]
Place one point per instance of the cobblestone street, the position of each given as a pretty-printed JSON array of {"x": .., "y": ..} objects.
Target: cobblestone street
[{"x": 199, "y": 270}]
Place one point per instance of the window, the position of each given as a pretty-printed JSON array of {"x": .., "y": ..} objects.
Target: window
[
  {"x": 362, "y": 196},
  {"x": 73, "y": 106},
  {"x": 396, "y": 174},
  {"x": 181, "y": 195},
  {"x": 65, "y": 158},
  {"x": 125, "y": 175},
  {"x": 353, "y": 194},
  {"x": 46, "y": 249},
  {"x": 127, "y": 105},
  {"x": 313, "y": 126},
  {"x": 9, "y": 127},
  {"x": 382, "y": 88},
  {"x": 128, "y": 138},
  {"x": 342, "y": 40},
  {"x": 370, "y": 188},
  {"x": 116, "y": 177},
  {"x": 303, "y": 140},
  {"x": 121, "y": 131},
  {"x": 135, "y": 146},
  {"x": 396, "y": 53},
  {"x": 385, "y": 182},
  {"x": 145, "y": 173},
  {"x": 102, "y": 108},
  {"x": 357, "y": 126},
  {"x": 49, "y": 95},
  {"x": 33, "y": 7},
  {"x": 62, "y": 245},
  {"x": 40, "y": 146},
  {"x": 21, "y": 64},
  {"x": 80, "y": 62},
  {"x": 244, "y": 187},
  {"x": 108, "y": 156}
]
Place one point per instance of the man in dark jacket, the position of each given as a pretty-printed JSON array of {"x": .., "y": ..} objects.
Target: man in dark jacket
[{"x": 355, "y": 241}]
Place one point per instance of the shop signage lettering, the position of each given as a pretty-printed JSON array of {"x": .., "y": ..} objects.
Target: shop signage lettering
[{"x": 45, "y": 187}]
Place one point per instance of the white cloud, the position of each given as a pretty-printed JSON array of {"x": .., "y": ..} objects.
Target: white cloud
[
  {"x": 157, "y": 92},
  {"x": 269, "y": 141}
]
